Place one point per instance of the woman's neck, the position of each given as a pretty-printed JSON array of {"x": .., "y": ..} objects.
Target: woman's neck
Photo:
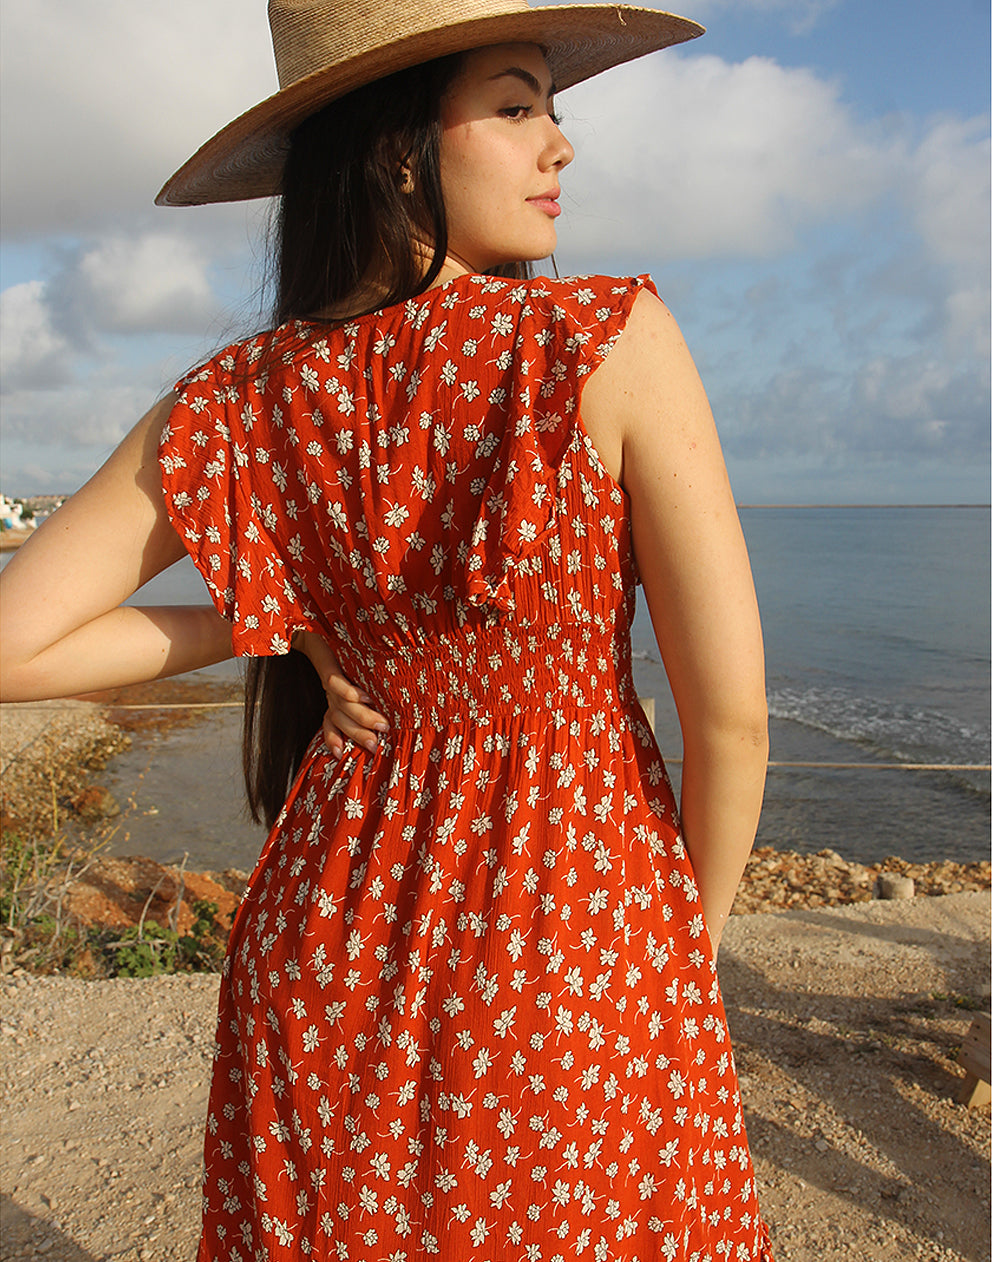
[
  {"x": 451, "y": 269},
  {"x": 374, "y": 293}
]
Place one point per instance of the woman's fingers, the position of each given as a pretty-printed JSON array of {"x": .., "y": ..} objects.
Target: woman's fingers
[
  {"x": 349, "y": 715},
  {"x": 340, "y": 689},
  {"x": 337, "y": 732},
  {"x": 363, "y": 730},
  {"x": 332, "y": 736},
  {"x": 349, "y": 718},
  {"x": 347, "y": 706}
]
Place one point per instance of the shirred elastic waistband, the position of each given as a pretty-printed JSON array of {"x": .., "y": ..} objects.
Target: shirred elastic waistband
[{"x": 495, "y": 675}]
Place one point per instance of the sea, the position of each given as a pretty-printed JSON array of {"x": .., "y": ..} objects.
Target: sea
[{"x": 877, "y": 637}]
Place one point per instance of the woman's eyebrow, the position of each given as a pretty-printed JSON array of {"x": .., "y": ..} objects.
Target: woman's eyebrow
[{"x": 525, "y": 76}]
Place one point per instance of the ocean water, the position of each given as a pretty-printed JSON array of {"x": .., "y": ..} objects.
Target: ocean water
[
  {"x": 877, "y": 637},
  {"x": 877, "y": 643}
]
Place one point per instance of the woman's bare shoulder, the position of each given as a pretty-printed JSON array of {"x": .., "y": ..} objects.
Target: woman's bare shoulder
[
  {"x": 646, "y": 388},
  {"x": 651, "y": 341}
]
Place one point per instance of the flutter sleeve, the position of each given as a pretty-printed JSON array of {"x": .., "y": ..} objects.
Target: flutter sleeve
[
  {"x": 566, "y": 329},
  {"x": 237, "y": 539}
]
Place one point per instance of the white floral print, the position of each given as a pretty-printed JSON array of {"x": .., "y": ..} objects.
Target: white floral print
[{"x": 468, "y": 1009}]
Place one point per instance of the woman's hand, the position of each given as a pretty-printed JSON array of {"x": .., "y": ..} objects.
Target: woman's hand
[{"x": 348, "y": 716}]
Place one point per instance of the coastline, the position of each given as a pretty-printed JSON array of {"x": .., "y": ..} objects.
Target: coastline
[{"x": 61, "y": 749}]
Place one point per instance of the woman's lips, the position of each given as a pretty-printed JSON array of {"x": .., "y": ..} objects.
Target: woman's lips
[{"x": 548, "y": 202}]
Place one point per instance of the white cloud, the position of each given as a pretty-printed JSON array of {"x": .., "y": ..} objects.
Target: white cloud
[
  {"x": 698, "y": 157},
  {"x": 948, "y": 195},
  {"x": 103, "y": 99},
  {"x": 890, "y": 407},
  {"x": 32, "y": 352},
  {"x": 680, "y": 158},
  {"x": 95, "y": 413},
  {"x": 951, "y": 188},
  {"x": 76, "y": 324},
  {"x": 800, "y": 16},
  {"x": 148, "y": 283},
  {"x": 922, "y": 402}
]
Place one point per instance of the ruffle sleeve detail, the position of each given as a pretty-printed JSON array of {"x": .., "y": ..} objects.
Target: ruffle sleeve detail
[
  {"x": 208, "y": 459},
  {"x": 564, "y": 330}
]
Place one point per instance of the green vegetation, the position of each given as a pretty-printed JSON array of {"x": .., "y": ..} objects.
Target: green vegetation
[
  {"x": 150, "y": 949},
  {"x": 41, "y": 937},
  {"x": 46, "y": 846},
  {"x": 968, "y": 1002}
]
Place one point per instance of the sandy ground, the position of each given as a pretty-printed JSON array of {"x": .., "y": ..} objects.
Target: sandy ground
[{"x": 845, "y": 1021}]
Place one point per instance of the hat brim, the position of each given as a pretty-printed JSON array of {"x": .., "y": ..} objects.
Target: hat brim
[{"x": 245, "y": 160}]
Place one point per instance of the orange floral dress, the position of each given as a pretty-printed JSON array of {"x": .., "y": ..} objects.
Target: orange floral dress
[{"x": 469, "y": 1009}]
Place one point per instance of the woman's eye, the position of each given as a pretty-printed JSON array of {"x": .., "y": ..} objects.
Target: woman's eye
[{"x": 518, "y": 113}]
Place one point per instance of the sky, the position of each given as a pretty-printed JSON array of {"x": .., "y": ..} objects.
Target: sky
[{"x": 808, "y": 184}]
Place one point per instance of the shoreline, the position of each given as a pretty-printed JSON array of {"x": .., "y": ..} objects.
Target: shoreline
[
  {"x": 113, "y": 894},
  {"x": 846, "y": 1022},
  {"x": 58, "y": 750}
]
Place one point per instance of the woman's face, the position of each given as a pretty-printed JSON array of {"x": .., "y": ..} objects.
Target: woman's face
[{"x": 501, "y": 156}]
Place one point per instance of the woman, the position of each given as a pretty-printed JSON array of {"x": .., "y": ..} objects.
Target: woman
[{"x": 470, "y": 1005}]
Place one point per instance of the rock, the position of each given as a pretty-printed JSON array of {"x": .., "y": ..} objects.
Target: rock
[
  {"x": 96, "y": 802},
  {"x": 890, "y": 885}
]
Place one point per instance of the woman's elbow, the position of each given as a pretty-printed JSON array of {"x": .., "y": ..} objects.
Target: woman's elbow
[
  {"x": 739, "y": 721},
  {"x": 14, "y": 661},
  {"x": 19, "y": 680},
  {"x": 749, "y": 727},
  {"x": 753, "y": 716},
  {"x": 756, "y": 732}
]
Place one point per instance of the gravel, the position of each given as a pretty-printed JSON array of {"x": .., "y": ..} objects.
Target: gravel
[{"x": 845, "y": 1021}]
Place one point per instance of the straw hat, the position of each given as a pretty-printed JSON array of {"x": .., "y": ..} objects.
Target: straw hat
[{"x": 327, "y": 48}]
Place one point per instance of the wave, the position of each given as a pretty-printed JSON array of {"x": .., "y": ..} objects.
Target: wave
[{"x": 897, "y": 731}]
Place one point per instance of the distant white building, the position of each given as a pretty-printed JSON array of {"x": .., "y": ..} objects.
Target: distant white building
[{"x": 11, "y": 516}]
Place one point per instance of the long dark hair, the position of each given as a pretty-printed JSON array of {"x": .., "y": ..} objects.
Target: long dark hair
[{"x": 345, "y": 243}]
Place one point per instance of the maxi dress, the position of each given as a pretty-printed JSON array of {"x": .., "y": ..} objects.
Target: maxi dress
[{"x": 469, "y": 1009}]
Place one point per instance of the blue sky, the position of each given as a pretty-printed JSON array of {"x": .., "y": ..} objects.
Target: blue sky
[
  {"x": 808, "y": 183},
  {"x": 890, "y": 55}
]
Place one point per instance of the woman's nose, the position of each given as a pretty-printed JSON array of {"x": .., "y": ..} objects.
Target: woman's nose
[{"x": 558, "y": 153}]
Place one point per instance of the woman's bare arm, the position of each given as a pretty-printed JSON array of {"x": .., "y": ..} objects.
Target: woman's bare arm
[
  {"x": 697, "y": 579},
  {"x": 64, "y": 628},
  {"x": 349, "y": 716}
]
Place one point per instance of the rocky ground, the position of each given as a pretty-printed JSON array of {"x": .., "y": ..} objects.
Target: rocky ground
[
  {"x": 847, "y": 1014},
  {"x": 845, "y": 1021}
]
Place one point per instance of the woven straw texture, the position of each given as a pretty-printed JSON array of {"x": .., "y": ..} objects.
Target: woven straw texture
[{"x": 324, "y": 49}]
